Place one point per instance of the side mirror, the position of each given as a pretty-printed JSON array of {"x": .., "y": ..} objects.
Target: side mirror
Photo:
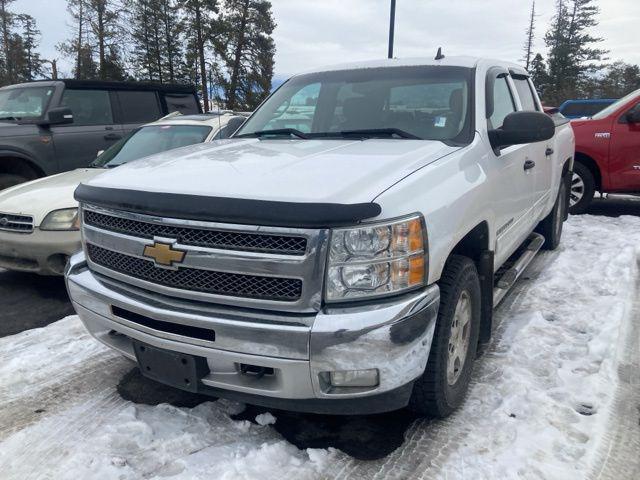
[
  {"x": 522, "y": 127},
  {"x": 633, "y": 116},
  {"x": 57, "y": 116}
]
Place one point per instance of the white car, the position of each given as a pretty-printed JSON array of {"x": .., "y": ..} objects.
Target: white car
[{"x": 38, "y": 219}]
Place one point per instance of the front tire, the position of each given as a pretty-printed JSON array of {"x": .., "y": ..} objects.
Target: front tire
[
  {"x": 9, "y": 180},
  {"x": 583, "y": 187},
  {"x": 444, "y": 384}
]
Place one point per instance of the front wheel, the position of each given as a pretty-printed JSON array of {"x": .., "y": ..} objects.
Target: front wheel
[
  {"x": 443, "y": 385},
  {"x": 9, "y": 180}
]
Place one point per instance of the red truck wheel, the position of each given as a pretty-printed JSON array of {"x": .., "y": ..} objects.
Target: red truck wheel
[{"x": 583, "y": 187}]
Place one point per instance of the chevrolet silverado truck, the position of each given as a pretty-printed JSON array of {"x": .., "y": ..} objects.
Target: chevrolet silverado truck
[
  {"x": 607, "y": 156},
  {"x": 343, "y": 251}
]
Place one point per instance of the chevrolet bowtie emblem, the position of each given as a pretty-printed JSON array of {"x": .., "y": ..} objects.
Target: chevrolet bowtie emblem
[{"x": 164, "y": 254}]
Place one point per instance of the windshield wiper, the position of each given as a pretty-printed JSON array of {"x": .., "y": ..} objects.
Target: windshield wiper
[
  {"x": 373, "y": 132},
  {"x": 277, "y": 131}
]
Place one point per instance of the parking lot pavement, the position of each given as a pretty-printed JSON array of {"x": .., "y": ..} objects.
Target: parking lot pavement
[{"x": 31, "y": 301}]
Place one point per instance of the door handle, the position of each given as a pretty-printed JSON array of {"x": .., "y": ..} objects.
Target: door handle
[
  {"x": 548, "y": 151},
  {"x": 529, "y": 164},
  {"x": 112, "y": 136}
]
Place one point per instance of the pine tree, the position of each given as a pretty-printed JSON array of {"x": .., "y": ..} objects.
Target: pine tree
[
  {"x": 530, "y": 33},
  {"x": 572, "y": 57},
  {"x": 32, "y": 64},
  {"x": 97, "y": 39},
  {"x": 539, "y": 74},
  {"x": 202, "y": 18},
  {"x": 6, "y": 25},
  {"x": 249, "y": 53},
  {"x": 156, "y": 34}
]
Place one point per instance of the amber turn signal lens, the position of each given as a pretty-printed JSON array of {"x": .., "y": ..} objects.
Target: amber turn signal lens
[
  {"x": 416, "y": 241},
  {"x": 416, "y": 270}
]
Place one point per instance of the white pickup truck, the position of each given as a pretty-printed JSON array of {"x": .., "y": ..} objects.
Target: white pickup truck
[{"x": 343, "y": 252}]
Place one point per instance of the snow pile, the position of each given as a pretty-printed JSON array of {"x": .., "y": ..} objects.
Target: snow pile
[{"x": 538, "y": 407}]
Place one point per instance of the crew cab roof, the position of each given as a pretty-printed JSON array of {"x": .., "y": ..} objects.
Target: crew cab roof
[
  {"x": 101, "y": 84},
  {"x": 448, "y": 61}
]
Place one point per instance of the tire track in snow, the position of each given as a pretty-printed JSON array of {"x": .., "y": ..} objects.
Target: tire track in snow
[
  {"x": 97, "y": 375},
  {"x": 619, "y": 455}
]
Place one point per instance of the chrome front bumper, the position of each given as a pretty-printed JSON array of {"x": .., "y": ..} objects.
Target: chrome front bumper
[{"x": 393, "y": 337}]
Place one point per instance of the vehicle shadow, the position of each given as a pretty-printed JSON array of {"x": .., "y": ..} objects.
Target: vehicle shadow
[
  {"x": 31, "y": 301},
  {"x": 615, "y": 206},
  {"x": 364, "y": 437}
]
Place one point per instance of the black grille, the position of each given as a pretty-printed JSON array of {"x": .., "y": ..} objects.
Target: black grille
[
  {"x": 16, "y": 223},
  {"x": 200, "y": 237},
  {"x": 207, "y": 281}
]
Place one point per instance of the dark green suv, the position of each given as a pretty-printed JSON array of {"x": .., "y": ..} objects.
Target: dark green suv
[{"x": 48, "y": 127}]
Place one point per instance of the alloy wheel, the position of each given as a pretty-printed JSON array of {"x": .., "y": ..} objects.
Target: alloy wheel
[
  {"x": 459, "y": 338},
  {"x": 577, "y": 189}
]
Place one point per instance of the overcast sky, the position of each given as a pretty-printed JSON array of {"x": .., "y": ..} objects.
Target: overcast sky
[{"x": 311, "y": 33}]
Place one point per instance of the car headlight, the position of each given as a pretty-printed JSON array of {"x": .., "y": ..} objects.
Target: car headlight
[
  {"x": 375, "y": 260},
  {"x": 64, "y": 219}
]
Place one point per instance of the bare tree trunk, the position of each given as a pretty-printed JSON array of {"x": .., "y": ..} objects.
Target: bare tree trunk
[
  {"x": 80, "y": 24},
  {"x": 101, "y": 40},
  {"x": 203, "y": 71},
  {"x": 235, "y": 73},
  {"x": 530, "y": 36},
  {"x": 168, "y": 39},
  {"x": 156, "y": 38}
]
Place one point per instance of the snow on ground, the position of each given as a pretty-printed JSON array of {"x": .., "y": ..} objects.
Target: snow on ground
[{"x": 540, "y": 405}]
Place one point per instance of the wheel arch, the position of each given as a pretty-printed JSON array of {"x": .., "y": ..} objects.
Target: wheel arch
[
  {"x": 16, "y": 164},
  {"x": 475, "y": 245},
  {"x": 593, "y": 167}
]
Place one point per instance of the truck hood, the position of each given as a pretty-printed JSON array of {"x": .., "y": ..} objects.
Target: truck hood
[
  {"x": 331, "y": 171},
  {"x": 39, "y": 197}
]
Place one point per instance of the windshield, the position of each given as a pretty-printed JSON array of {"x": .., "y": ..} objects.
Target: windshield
[
  {"x": 615, "y": 105},
  {"x": 149, "y": 140},
  {"x": 428, "y": 102},
  {"x": 28, "y": 102}
]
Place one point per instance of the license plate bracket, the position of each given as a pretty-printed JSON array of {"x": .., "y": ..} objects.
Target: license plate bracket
[{"x": 176, "y": 369}]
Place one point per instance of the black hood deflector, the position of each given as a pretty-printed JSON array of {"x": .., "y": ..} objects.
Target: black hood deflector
[{"x": 228, "y": 210}]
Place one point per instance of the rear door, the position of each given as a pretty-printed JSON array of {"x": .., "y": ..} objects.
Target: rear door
[
  {"x": 93, "y": 129},
  {"x": 541, "y": 153},
  {"x": 624, "y": 152},
  {"x": 513, "y": 185},
  {"x": 137, "y": 107}
]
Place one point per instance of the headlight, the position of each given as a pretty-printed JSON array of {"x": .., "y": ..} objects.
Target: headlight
[
  {"x": 65, "y": 219},
  {"x": 374, "y": 260}
]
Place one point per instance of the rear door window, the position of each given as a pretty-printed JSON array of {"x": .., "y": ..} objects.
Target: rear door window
[
  {"x": 89, "y": 107},
  {"x": 503, "y": 103},
  {"x": 526, "y": 95},
  {"x": 138, "y": 106},
  {"x": 179, "y": 102}
]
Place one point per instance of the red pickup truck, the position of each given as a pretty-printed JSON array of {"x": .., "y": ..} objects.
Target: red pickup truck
[{"x": 607, "y": 152}]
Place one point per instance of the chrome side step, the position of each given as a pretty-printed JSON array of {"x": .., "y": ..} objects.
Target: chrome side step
[{"x": 509, "y": 277}]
